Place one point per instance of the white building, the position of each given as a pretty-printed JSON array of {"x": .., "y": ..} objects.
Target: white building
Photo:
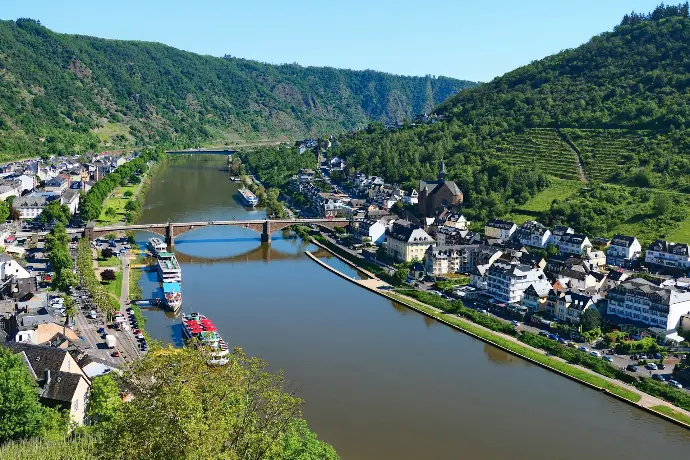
[
  {"x": 30, "y": 206},
  {"x": 623, "y": 251},
  {"x": 640, "y": 300},
  {"x": 667, "y": 254},
  {"x": 534, "y": 234},
  {"x": 508, "y": 282},
  {"x": 499, "y": 229},
  {"x": 71, "y": 199},
  {"x": 574, "y": 244},
  {"x": 373, "y": 229},
  {"x": 10, "y": 267},
  {"x": 559, "y": 232}
]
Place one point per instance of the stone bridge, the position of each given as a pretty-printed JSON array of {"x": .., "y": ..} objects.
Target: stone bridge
[{"x": 170, "y": 230}]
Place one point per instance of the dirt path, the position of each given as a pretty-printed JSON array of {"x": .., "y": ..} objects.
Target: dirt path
[{"x": 580, "y": 169}]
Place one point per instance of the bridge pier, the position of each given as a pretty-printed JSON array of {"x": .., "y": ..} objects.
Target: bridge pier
[
  {"x": 266, "y": 232},
  {"x": 170, "y": 235}
]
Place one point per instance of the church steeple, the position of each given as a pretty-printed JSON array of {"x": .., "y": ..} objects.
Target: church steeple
[{"x": 442, "y": 170}]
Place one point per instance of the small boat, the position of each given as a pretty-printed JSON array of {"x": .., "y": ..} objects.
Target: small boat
[
  {"x": 168, "y": 268},
  {"x": 157, "y": 245},
  {"x": 247, "y": 197},
  {"x": 199, "y": 327},
  {"x": 172, "y": 295}
]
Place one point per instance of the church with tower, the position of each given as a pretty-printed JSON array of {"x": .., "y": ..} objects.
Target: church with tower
[{"x": 434, "y": 196}]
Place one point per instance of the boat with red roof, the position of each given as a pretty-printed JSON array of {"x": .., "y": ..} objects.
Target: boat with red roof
[{"x": 199, "y": 327}]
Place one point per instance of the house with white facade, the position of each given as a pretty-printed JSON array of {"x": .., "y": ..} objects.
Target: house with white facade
[
  {"x": 57, "y": 185},
  {"x": 637, "y": 299},
  {"x": 534, "y": 234},
  {"x": 30, "y": 206},
  {"x": 571, "y": 304},
  {"x": 373, "y": 229},
  {"x": 499, "y": 229},
  {"x": 623, "y": 251},
  {"x": 508, "y": 282},
  {"x": 559, "y": 232},
  {"x": 10, "y": 267},
  {"x": 574, "y": 243},
  {"x": 665, "y": 254}
]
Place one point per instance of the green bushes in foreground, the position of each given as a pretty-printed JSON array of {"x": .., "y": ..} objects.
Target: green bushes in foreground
[{"x": 661, "y": 390}]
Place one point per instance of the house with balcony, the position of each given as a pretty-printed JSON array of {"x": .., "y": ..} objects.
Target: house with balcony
[
  {"x": 623, "y": 251},
  {"x": 668, "y": 256},
  {"x": 559, "y": 232},
  {"x": 642, "y": 301},
  {"x": 508, "y": 282},
  {"x": 534, "y": 297},
  {"x": 571, "y": 304},
  {"x": 500, "y": 230},
  {"x": 574, "y": 244},
  {"x": 534, "y": 234}
]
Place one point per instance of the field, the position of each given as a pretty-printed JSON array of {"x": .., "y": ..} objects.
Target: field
[
  {"x": 114, "y": 287},
  {"x": 117, "y": 201},
  {"x": 559, "y": 190},
  {"x": 541, "y": 149},
  {"x": 110, "y": 262}
]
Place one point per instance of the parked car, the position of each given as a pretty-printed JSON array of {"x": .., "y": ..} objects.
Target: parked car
[
  {"x": 115, "y": 354},
  {"x": 650, "y": 366},
  {"x": 583, "y": 348},
  {"x": 661, "y": 366},
  {"x": 659, "y": 377},
  {"x": 675, "y": 384},
  {"x": 543, "y": 333},
  {"x": 596, "y": 354},
  {"x": 631, "y": 368},
  {"x": 515, "y": 323},
  {"x": 608, "y": 359}
]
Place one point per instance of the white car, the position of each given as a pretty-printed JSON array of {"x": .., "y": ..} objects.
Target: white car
[
  {"x": 596, "y": 354},
  {"x": 583, "y": 348}
]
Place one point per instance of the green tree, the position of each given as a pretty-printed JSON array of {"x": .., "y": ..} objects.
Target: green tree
[
  {"x": 590, "y": 320},
  {"x": 55, "y": 212},
  {"x": 104, "y": 400},
  {"x": 662, "y": 204},
  {"x": 129, "y": 194},
  {"x": 132, "y": 205},
  {"x": 110, "y": 212},
  {"x": 199, "y": 411},
  {"x": 22, "y": 414},
  {"x": 65, "y": 280}
]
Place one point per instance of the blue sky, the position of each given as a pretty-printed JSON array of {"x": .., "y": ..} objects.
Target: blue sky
[{"x": 473, "y": 40}]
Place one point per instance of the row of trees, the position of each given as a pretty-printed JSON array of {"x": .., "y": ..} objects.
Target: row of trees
[
  {"x": 103, "y": 301},
  {"x": 130, "y": 172},
  {"x": 60, "y": 259}
]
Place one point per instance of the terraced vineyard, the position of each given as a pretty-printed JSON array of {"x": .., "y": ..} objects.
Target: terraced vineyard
[
  {"x": 603, "y": 151},
  {"x": 541, "y": 149}
]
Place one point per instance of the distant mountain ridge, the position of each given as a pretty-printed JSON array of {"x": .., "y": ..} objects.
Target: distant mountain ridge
[{"x": 61, "y": 92}]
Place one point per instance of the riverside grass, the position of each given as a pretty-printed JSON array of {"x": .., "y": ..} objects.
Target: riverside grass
[
  {"x": 521, "y": 350},
  {"x": 671, "y": 413}
]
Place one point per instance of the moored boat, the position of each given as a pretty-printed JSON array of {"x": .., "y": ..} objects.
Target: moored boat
[
  {"x": 247, "y": 197},
  {"x": 172, "y": 295},
  {"x": 157, "y": 245},
  {"x": 199, "y": 327},
  {"x": 168, "y": 268}
]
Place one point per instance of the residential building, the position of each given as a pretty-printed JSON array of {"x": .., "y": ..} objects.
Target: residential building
[
  {"x": 664, "y": 254},
  {"x": 373, "y": 229},
  {"x": 70, "y": 198},
  {"x": 61, "y": 382},
  {"x": 441, "y": 260},
  {"x": 438, "y": 195},
  {"x": 559, "y": 232},
  {"x": 623, "y": 251},
  {"x": 534, "y": 234},
  {"x": 411, "y": 199},
  {"x": 30, "y": 206},
  {"x": 7, "y": 191},
  {"x": 10, "y": 267},
  {"x": 640, "y": 300},
  {"x": 574, "y": 244},
  {"x": 499, "y": 229},
  {"x": 534, "y": 298},
  {"x": 458, "y": 221},
  {"x": 508, "y": 282},
  {"x": 57, "y": 185},
  {"x": 571, "y": 304},
  {"x": 580, "y": 278},
  {"x": 405, "y": 242}
]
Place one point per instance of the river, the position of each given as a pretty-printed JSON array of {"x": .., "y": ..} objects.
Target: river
[{"x": 380, "y": 381}]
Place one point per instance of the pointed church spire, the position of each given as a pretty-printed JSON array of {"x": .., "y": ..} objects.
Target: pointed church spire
[{"x": 442, "y": 170}]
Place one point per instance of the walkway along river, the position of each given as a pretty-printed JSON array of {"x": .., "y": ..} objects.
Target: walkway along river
[{"x": 380, "y": 381}]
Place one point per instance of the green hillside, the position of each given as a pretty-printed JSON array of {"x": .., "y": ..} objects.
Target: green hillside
[
  {"x": 64, "y": 92},
  {"x": 616, "y": 109}
]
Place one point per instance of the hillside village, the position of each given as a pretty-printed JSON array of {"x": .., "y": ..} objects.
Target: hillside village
[{"x": 527, "y": 270}]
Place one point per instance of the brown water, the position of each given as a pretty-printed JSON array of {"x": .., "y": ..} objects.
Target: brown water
[{"x": 380, "y": 381}]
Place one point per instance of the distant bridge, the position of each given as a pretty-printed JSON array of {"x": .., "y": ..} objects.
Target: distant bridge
[
  {"x": 170, "y": 230},
  {"x": 202, "y": 152}
]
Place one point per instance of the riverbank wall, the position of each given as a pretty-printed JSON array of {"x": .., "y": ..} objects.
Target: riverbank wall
[{"x": 375, "y": 288}]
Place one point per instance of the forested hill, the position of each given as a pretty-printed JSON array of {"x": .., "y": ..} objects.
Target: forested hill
[
  {"x": 65, "y": 92},
  {"x": 616, "y": 109}
]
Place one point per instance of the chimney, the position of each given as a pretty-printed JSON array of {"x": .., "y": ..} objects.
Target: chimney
[{"x": 46, "y": 377}]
